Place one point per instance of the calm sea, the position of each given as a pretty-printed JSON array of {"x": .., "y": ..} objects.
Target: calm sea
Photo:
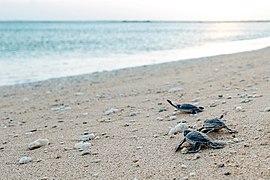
[{"x": 34, "y": 51}]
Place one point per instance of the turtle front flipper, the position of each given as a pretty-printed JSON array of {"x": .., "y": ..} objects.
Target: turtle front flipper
[
  {"x": 231, "y": 130},
  {"x": 194, "y": 148},
  {"x": 193, "y": 111},
  {"x": 170, "y": 102},
  {"x": 216, "y": 145},
  {"x": 201, "y": 108},
  {"x": 208, "y": 130},
  {"x": 201, "y": 128},
  {"x": 178, "y": 146}
]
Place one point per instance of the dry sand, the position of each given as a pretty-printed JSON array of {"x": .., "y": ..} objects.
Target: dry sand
[{"x": 132, "y": 143}]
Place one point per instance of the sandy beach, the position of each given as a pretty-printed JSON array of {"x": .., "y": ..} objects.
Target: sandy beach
[{"x": 127, "y": 112}]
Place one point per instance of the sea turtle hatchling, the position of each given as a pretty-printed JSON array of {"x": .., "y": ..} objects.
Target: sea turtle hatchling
[
  {"x": 188, "y": 108},
  {"x": 215, "y": 124},
  {"x": 197, "y": 139}
]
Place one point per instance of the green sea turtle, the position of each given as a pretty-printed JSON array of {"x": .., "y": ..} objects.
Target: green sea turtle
[
  {"x": 188, "y": 108},
  {"x": 197, "y": 139},
  {"x": 215, "y": 124}
]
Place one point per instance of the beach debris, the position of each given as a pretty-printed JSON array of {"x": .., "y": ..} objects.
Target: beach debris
[
  {"x": 25, "y": 99},
  {"x": 133, "y": 114},
  {"x": 86, "y": 153},
  {"x": 79, "y": 94},
  {"x": 175, "y": 89},
  {"x": 184, "y": 150},
  {"x": 96, "y": 161},
  {"x": 183, "y": 166},
  {"x": 87, "y": 137},
  {"x": 162, "y": 109},
  {"x": 197, "y": 139},
  {"x": 159, "y": 118},
  {"x": 111, "y": 111},
  {"x": 221, "y": 165},
  {"x": 38, "y": 143},
  {"x": 267, "y": 109},
  {"x": 196, "y": 156},
  {"x": 179, "y": 128},
  {"x": 60, "y": 107},
  {"x": 25, "y": 160},
  {"x": 197, "y": 99},
  {"x": 215, "y": 124},
  {"x": 173, "y": 118},
  {"x": 239, "y": 109},
  {"x": 187, "y": 108},
  {"x": 235, "y": 140},
  {"x": 82, "y": 146},
  {"x": 214, "y": 103},
  {"x": 246, "y": 100}
]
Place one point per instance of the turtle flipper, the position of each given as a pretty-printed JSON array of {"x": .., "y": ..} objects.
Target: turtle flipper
[
  {"x": 172, "y": 103},
  {"x": 193, "y": 111},
  {"x": 230, "y": 130},
  {"x": 195, "y": 148},
  {"x": 208, "y": 130},
  {"x": 216, "y": 145},
  {"x": 201, "y": 108},
  {"x": 178, "y": 146},
  {"x": 199, "y": 129}
]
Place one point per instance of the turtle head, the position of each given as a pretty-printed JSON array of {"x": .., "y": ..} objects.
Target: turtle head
[
  {"x": 178, "y": 106},
  {"x": 186, "y": 132}
]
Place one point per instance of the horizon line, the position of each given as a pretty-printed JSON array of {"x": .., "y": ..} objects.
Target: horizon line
[{"x": 144, "y": 21}]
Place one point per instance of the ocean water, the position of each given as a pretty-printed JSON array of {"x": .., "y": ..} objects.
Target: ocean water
[{"x": 35, "y": 51}]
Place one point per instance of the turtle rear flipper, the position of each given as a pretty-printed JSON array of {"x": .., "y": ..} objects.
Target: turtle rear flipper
[
  {"x": 195, "y": 148},
  {"x": 178, "y": 146}
]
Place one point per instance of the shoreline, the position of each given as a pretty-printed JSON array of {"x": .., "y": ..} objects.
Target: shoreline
[
  {"x": 203, "y": 52},
  {"x": 127, "y": 112}
]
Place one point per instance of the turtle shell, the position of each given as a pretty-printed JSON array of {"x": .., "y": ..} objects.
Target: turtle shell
[
  {"x": 214, "y": 123},
  {"x": 194, "y": 136},
  {"x": 186, "y": 107}
]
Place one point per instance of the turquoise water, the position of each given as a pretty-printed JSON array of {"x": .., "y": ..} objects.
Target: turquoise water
[{"x": 34, "y": 51}]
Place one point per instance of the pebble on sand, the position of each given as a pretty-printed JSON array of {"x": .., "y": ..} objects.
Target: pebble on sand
[
  {"x": 159, "y": 118},
  {"x": 87, "y": 137},
  {"x": 111, "y": 111},
  {"x": 173, "y": 118},
  {"x": 239, "y": 109},
  {"x": 184, "y": 150},
  {"x": 180, "y": 127},
  {"x": 82, "y": 146},
  {"x": 25, "y": 160},
  {"x": 175, "y": 89},
  {"x": 38, "y": 143}
]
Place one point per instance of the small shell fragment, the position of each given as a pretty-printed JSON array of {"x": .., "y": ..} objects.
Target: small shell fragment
[
  {"x": 38, "y": 143},
  {"x": 25, "y": 160}
]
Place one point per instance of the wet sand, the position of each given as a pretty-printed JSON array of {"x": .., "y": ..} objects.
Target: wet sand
[{"x": 128, "y": 113}]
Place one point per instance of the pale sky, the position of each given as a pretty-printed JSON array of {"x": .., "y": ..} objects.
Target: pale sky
[{"x": 213, "y": 10}]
